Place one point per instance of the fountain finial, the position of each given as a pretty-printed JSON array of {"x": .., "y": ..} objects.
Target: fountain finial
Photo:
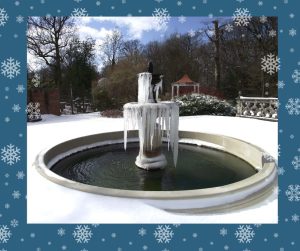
[{"x": 150, "y": 67}]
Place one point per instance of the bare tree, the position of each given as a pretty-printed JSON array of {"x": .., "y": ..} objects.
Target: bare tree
[
  {"x": 111, "y": 47},
  {"x": 48, "y": 38}
]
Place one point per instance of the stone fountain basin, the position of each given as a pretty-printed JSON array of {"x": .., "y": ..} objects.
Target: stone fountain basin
[{"x": 241, "y": 194}]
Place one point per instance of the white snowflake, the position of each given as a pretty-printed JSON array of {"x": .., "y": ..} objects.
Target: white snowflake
[
  {"x": 19, "y": 19},
  {"x": 263, "y": 19},
  {"x": 5, "y": 234},
  {"x": 3, "y": 17},
  {"x": 14, "y": 223},
  {"x": 33, "y": 111},
  {"x": 241, "y": 17},
  {"x": 292, "y": 32},
  {"x": 163, "y": 234},
  {"x": 280, "y": 170},
  {"x": 272, "y": 33},
  {"x": 244, "y": 234},
  {"x": 16, "y": 194},
  {"x": 16, "y": 108},
  {"x": 280, "y": 84},
  {"x": 79, "y": 12},
  {"x": 82, "y": 234},
  {"x": 61, "y": 231},
  {"x": 20, "y": 175},
  {"x": 229, "y": 27},
  {"x": 10, "y": 154},
  {"x": 296, "y": 76},
  {"x": 142, "y": 231},
  {"x": 223, "y": 231},
  {"x": 295, "y": 218},
  {"x": 296, "y": 162},
  {"x": 270, "y": 64},
  {"x": 20, "y": 88},
  {"x": 161, "y": 18},
  {"x": 293, "y": 106},
  {"x": 182, "y": 19},
  {"x": 293, "y": 193},
  {"x": 10, "y": 68},
  {"x": 191, "y": 33}
]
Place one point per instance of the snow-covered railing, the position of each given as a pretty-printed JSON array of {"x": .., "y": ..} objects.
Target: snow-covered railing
[{"x": 257, "y": 107}]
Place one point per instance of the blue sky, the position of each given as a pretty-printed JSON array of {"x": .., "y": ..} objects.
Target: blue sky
[{"x": 143, "y": 28}]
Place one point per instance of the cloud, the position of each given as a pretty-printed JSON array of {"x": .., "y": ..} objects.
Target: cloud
[{"x": 135, "y": 26}]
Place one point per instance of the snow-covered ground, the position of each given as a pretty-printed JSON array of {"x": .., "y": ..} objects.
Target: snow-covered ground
[{"x": 48, "y": 202}]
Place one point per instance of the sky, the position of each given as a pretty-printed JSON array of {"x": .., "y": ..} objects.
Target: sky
[{"x": 145, "y": 29}]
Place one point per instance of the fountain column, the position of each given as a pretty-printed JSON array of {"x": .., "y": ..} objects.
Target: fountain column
[{"x": 154, "y": 121}]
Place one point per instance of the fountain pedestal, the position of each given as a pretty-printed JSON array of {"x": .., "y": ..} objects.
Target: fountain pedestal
[{"x": 154, "y": 121}]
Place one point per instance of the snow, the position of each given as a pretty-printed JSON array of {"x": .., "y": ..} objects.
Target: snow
[{"x": 52, "y": 203}]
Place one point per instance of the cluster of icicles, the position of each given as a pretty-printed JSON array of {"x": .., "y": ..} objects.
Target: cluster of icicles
[{"x": 154, "y": 121}]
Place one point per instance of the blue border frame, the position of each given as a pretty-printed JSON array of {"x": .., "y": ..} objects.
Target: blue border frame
[{"x": 16, "y": 234}]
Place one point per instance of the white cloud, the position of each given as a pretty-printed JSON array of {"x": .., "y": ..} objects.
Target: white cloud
[{"x": 135, "y": 26}]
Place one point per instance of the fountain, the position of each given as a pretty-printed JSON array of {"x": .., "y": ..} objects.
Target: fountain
[
  {"x": 152, "y": 119},
  {"x": 213, "y": 172}
]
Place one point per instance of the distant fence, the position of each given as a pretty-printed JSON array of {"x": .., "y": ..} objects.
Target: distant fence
[{"x": 258, "y": 107}]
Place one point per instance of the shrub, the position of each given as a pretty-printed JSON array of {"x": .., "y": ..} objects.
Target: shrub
[
  {"x": 204, "y": 105},
  {"x": 112, "y": 113}
]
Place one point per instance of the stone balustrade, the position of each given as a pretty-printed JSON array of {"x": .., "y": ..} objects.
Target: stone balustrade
[{"x": 257, "y": 107}]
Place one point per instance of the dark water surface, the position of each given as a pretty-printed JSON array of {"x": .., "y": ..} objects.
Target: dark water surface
[{"x": 113, "y": 167}]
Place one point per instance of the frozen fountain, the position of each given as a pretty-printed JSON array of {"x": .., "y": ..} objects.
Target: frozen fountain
[
  {"x": 213, "y": 172},
  {"x": 154, "y": 120}
]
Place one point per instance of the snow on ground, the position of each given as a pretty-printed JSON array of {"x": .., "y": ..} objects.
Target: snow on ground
[{"x": 48, "y": 202}]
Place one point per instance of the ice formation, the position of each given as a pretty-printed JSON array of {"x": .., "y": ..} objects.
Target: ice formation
[{"x": 153, "y": 121}]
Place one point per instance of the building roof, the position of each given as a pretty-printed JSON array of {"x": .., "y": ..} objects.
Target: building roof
[{"x": 185, "y": 80}]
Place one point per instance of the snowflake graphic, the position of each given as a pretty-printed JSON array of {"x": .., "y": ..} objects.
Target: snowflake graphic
[
  {"x": 280, "y": 170},
  {"x": 79, "y": 12},
  {"x": 5, "y": 234},
  {"x": 142, "y": 231},
  {"x": 10, "y": 154},
  {"x": 16, "y": 108},
  {"x": 3, "y": 17},
  {"x": 191, "y": 33},
  {"x": 292, "y": 32},
  {"x": 61, "y": 231},
  {"x": 296, "y": 76},
  {"x": 10, "y": 68},
  {"x": 263, "y": 19},
  {"x": 33, "y": 111},
  {"x": 295, "y": 218},
  {"x": 280, "y": 84},
  {"x": 229, "y": 27},
  {"x": 223, "y": 231},
  {"x": 270, "y": 64},
  {"x": 20, "y": 175},
  {"x": 161, "y": 18},
  {"x": 182, "y": 19},
  {"x": 272, "y": 33},
  {"x": 82, "y": 234},
  {"x": 163, "y": 234},
  {"x": 241, "y": 17},
  {"x": 20, "y": 88},
  {"x": 244, "y": 234},
  {"x": 293, "y": 106},
  {"x": 293, "y": 193},
  {"x": 19, "y": 19},
  {"x": 16, "y": 194},
  {"x": 14, "y": 223},
  {"x": 296, "y": 162}
]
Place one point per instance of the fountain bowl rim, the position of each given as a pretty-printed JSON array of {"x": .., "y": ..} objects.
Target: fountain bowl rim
[{"x": 265, "y": 178}]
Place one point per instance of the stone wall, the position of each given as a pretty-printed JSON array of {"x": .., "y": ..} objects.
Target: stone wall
[{"x": 47, "y": 98}]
